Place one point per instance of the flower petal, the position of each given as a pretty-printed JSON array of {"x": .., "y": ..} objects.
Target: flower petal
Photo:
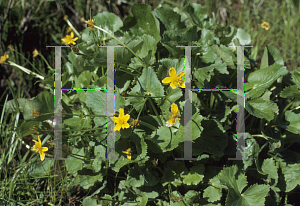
[
  {"x": 42, "y": 154},
  {"x": 126, "y": 117},
  {"x": 117, "y": 127},
  {"x": 181, "y": 74},
  {"x": 181, "y": 84},
  {"x": 173, "y": 85},
  {"x": 167, "y": 80},
  {"x": 121, "y": 111},
  {"x": 125, "y": 125},
  {"x": 174, "y": 108},
  {"x": 172, "y": 72},
  {"x": 44, "y": 149}
]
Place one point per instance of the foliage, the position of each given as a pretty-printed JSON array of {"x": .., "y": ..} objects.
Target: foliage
[{"x": 271, "y": 107}]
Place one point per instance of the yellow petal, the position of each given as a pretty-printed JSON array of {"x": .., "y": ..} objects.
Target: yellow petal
[
  {"x": 173, "y": 85},
  {"x": 181, "y": 74},
  {"x": 167, "y": 80},
  {"x": 174, "y": 108},
  {"x": 117, "y": 127},
  {"x": 44, "y": 149},
  {"x": 126, "y": 117},
  {"x": 172, "y": 72},
  {"x": 72, "y": 35},
  {"x": 121, "y": 111},
  {"x": 126, "y": 125},
  {"x": 42, "y": 154},
  {"x": 181, "y": 84},
  {"x": 128, "y": 157}
]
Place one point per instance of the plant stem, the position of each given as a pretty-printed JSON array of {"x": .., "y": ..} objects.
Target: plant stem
[
  {"x": 155, "y": 111},
  {"x": 121, "y": 44},
  {"x": 25, "y": 70},
  {"x": 46, "y": 62}
]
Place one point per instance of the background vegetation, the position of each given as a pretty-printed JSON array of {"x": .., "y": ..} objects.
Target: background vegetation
[{"x": 29, "y": 25}]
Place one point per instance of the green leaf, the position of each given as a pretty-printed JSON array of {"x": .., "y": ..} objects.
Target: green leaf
[
  {"x": 260, "y": 109},
  {"x": 96, "y": 100},
  {"x": 296, "y": 77},
  {"x": 145, "y": 22},
  {"x": 144, "y": 200},
  {"x": 292, "y": 176},
  {"x": 75, "y": 164},
  {"x": 234, "y": 180},
  {"x": 293, "y": 121},
  {"x": 243, "y": 37},
  {"x": 89, "y": 201},
  {"x": 107, "y": 21},
  {"x": 264, "y": 60},
  {"x": 83, "y": 80},
  {"x": 197, "y": 12},
  {"x": 290, "y": 92},
  {"x": 195, "y": 176},
  {"x": 25, "y": 128},
  {"x": 225, "y": 56},
  {"x": 212, "y": 139},
  {"x": 213, "y": 194},
  {"x": 40, "y": 169},
  {"x": 254, "y": 195},
  {"x": 269, "y": 168},
  {"x": 144, "y": 85},
  {"x": 172, "y": 95},
  {"x": 168, "y": 17},
  {"x": 87, "y": 180},
  {"x": 263, "y": 78}
]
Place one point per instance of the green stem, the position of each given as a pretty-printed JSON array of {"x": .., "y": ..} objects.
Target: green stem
[
  {"x": 76, "y": 32},
  {"x": 287, "y": 106},
  {"x": 155, "y": 111},
  {"x": 25, "y": 70},
  {"x": 140, "y": 111},
  {"x": 27, "y": 60},
  {"x": 121, "y": 44},
  {"x": 46, "y": 62},
  {"x": 147, "y": 125}
]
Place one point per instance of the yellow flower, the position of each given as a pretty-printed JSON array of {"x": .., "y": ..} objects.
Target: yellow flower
[
  {"x": 128, "y": 152},
  {"x": 265, "y": 25},
  {"x": 174, "y": 116},
  {"x": 3, "y": 58},
  {"x": 69, "y": 30},
  {"x": 69, "y": 39},
  {"x": 10, "y": 47},
  {"x": 90, "y": 24},
  {"x": 174, "y": 79},
  {"x": 38, "y": 148},
  {"x": 35, "y": 113},
  {"x": 35, "y": 53},
  {"x": 121, "y": 120}
]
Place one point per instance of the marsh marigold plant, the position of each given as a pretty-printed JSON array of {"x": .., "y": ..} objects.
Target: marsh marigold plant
[
  {"x": 38, "y": 148},
  {"x": 3, "y": 58},
  {"x": 174, "y": 116},
  {"x": 121, "y": 120},
  {"x": 265, "y": 25},
  {"x": 174, "y": 79},
  {"x": 69, "y": 39}
]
